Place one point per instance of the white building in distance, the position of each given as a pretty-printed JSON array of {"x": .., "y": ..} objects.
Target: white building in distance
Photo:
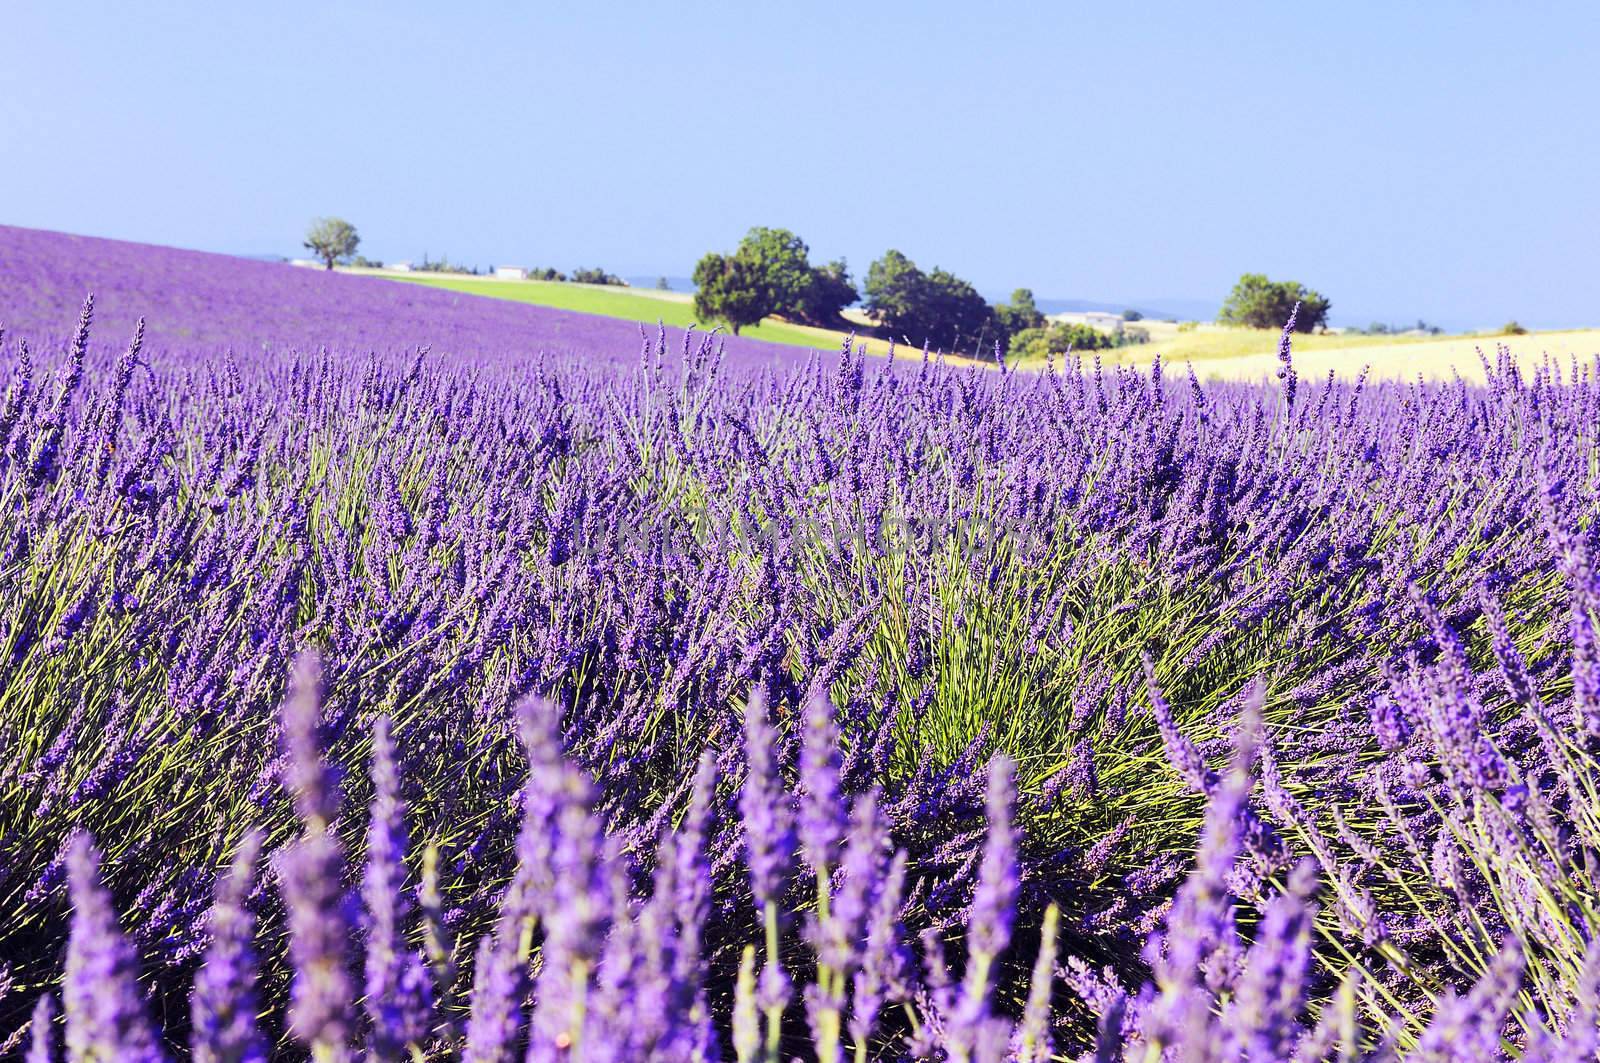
[
  {"x": 1095, "y": 319},
  {"x": 511, "y": 273}
]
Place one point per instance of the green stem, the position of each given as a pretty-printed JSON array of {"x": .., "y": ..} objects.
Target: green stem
[{"x": 774, "y": 1014}]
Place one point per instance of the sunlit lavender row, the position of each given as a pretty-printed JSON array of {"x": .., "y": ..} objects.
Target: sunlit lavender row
[{"x": 684, "y": 703}]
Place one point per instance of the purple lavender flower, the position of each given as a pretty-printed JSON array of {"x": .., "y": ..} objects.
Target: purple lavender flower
[
  {"x": 1470, "y": 1027},
  {"x": 691, "y": 900},
  {"x": 1585, "y": 670},
  {"x": 106, "y": 1015},
  {"x": 862, "y": 866},
  {"x": 1286, "y": 371},
  {"x": 1264, "y": 1016},
  {"x": 994, "y": 900},
  {"x": 885, "y": 970},
  {"x": 322, "y": 996},
  {"x": 225, "y": 1002},
  {"x": 399, "y": 993},
  {"x": 310, "y": 874},
  {"x": 764, "y": 807},
  {"x": 1180, "y": 751},
  {"x": 1388, "y": 725},
  {"x": 1195, "y": 955},
  {"x": 310, "y": 778},
  {"x": 498, "y": 983},
  {"x": 41, "y": 1031},
  {"x": 822, "y": 812},
  {"x": 582, "y": 909}
]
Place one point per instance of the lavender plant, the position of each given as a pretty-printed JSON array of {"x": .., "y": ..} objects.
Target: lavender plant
[{"x": 743, "y": 708}]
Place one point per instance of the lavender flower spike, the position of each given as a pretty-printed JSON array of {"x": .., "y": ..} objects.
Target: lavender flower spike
[
  {"x": 769, "y": 843},
  {"x": 1271, "y": 991},
  {"x": 399, "y": 992},
  {"x": 499, "y": 981},
  {"x": 322, "y": 995},
  {"x": 763, "y": 805},
  {"x": 224, "y": 1003},
  {"x": 107, "y": 1020},
  {"x": 822, "y": 813},
  {"x": 994, "y": 899},
  {"x": 1034, "y": 1032},
  {"x": 41, "y": 1032},
  {"x": 314, "y": 782},
  {"x": 310, "y": 874}
]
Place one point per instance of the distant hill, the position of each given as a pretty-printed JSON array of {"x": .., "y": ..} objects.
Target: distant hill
[{"x": 1158, "y": 309}]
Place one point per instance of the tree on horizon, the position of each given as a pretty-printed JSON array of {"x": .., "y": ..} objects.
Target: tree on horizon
[{"x": 332, "y": 240}]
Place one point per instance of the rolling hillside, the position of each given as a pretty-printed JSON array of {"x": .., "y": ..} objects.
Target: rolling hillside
[{"x": 644, "y": 305}]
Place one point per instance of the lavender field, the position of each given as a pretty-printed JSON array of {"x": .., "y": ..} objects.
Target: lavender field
[{"x": 394, "y": 674}]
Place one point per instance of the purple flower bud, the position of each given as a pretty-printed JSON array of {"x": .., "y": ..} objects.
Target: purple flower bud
[
  {"x": 885, "y": 972},
  {"x": 310, "y": 873},
  {"x": 1264, "y": 1017},
  {"x": 313, "y": 781},
  {"x": 1180, "y": 751},
  {"x": 764, "y": 807},
  {"x": 224, "y": 1003},
  {"x": 994, "y": 899},
  {"x": 1388, "y": 725},
  {"x": 322, "y": 998},
  {"x": 842, "y": 931},
  {"x": 499, "y": 982},
  {"x": 399, "y": 992},
  {"x": 107, "y": 1018},
  {"x": 41, "y": 1031},
  {"x": 822, "y": 813}
]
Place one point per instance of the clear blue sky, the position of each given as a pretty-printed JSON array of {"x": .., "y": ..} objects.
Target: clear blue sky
[{"x": 1438, "y": 159}]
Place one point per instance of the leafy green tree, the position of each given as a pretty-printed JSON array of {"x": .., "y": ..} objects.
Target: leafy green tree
[
  {"x": 731, "y": 289},
  {"x": 773, "y": 263},
  {"x": 827, "y": 294},
  {"x": 961, "y": 319},
  {"x": 1257, "y": 302},
  {"x": 780, "y": 257},
  {"x": 1511, "y": 328},
  {"x": 795, "y": 289},
  {"x": 1016, "y": 316},
  {"x": 897, "y": 292},
  {"x": 938, "y": 308},
  {"x": 1132, "y": 315},
  {"x": 597, "y": 276},
  {"x": 663, "y": 285},
  {"x": 1058, "y": 339},
  {"x": 332, "y": 239}
]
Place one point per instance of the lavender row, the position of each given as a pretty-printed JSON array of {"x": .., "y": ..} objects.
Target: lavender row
[
  {"x": 621, "y": 969},
  {"x": 456, "y": 535}
]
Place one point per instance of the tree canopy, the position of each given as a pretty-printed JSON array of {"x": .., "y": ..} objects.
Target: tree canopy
[
  {"x": 770, "y": 271},
  {"x": 937, "y": 308},
  {"x": 332, "y": 240},
  {"x": 729, "y": 288},
  {"x": 1020, "y": 314},
  {"x": 1257, "y": 302},
  {"x": 1056, "y": 340}
]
